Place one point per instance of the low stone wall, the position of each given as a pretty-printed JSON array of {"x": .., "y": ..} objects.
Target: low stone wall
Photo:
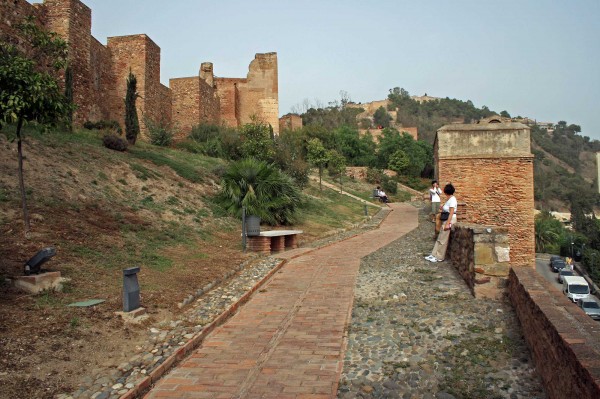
[
  {"x": 564, "y": 341},
  {"x": 481, "y": 256}
]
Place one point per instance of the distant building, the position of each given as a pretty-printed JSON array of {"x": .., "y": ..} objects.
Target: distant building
[{"x": 290, "y": 122}]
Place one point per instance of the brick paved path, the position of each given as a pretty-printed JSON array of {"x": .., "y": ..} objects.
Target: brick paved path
[{"x": 288, "y": 340}]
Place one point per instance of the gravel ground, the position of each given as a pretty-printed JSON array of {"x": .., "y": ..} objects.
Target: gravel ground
[
  {"x": 417, "y": 332},
  {"x": 201, "y": 308}
]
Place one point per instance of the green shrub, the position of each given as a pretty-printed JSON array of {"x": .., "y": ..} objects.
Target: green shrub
[
  {"x": 374, "y": 175},
  {"x": 114, "y": 142},
  {"x": 190, "y": 146},
  {"x": 263, "y": 189},
  {"x": 160, "y": 132},
  {"x": 204, "y": 132},
  {"x": 389, "y": 185},
  {"x": 103, "y": 125},
  {"x": 299, "y": 170}
]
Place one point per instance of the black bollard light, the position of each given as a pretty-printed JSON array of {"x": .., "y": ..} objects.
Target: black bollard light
[{"x": 131, "y": 289}]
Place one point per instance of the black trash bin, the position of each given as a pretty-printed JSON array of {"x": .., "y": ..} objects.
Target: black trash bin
[{"x": 252, "y": 225}]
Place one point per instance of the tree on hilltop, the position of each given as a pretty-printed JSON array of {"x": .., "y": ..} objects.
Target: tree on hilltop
[
  {"x": 30, "y": 92},
  {"x": 381, "y": 117}
]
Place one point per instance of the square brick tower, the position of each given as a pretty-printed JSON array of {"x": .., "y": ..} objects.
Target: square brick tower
[{"x": 491, "y": 167}]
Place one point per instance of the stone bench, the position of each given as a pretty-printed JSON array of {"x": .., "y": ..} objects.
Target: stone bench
[{"x": 273, "y": 241}]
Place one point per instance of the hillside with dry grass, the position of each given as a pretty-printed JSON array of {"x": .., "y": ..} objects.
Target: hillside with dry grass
[{"x": 105, "y": 211}]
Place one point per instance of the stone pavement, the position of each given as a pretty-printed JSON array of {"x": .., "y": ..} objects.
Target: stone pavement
[{"x": 288, "y": 341}]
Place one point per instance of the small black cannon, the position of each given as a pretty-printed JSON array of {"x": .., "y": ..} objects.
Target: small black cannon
[{"x": 34, "y": 265}]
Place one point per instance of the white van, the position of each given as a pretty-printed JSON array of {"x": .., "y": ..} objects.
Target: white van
[{"x": 575, "y": 288}]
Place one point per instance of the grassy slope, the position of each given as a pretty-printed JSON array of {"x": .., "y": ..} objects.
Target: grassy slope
[
  {"x": 150, "y": 206},
  {"x": 105, "y": 211}
]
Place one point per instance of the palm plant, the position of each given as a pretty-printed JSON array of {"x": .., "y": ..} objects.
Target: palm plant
[
  {"x": 548, "y": 233},
  {"x": 263, "y": 189}
]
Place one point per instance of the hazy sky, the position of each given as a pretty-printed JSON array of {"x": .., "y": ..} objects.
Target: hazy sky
[{"x": 536, "y": 58}]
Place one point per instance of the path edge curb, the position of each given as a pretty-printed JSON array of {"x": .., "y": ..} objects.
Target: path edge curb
[{"x": 183, "y": 352}]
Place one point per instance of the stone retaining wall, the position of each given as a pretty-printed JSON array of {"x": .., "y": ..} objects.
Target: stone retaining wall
[
  {"x": 564, "y": 341},
  {"x": 481, "y": 256}
]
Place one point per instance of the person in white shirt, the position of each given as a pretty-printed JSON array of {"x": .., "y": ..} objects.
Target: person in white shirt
[
  {"x": 382, "y": 195},
  {"x": 434, "y": 196},
  {"x": 438, "y": 254}
]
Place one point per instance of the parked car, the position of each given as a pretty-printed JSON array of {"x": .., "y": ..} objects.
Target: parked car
[
  {"x": 557, "y": 265},
  {"x": 553, "y": 258},
  {"x": 564, "y": 272},
  {"x": 590, "y": 307},
  {"x": 576, "y": 288}
]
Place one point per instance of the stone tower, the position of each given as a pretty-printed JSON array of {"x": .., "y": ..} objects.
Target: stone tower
[{"x": 491, "y": 167}]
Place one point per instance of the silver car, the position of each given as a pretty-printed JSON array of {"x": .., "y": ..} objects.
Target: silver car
[{"x": 591, "y": 307}]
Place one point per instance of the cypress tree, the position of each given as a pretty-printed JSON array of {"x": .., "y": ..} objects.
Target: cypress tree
[
  {"x": 69, "y": 96},
  {"x": 132, "y": 125}
]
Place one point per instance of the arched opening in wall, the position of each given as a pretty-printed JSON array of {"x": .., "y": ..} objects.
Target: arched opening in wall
[{"x": 495, "y": 121}]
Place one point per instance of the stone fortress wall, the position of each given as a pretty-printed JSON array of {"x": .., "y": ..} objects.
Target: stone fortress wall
[
  {"x": 100, "y": 73},
  {"x": 491, "y": 167}
]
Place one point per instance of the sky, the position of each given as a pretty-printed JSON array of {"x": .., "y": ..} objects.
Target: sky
[{"x": 535, "y": 58}]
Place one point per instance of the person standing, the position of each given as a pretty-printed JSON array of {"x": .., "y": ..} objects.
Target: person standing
[
  {"x": 434, "y": 197},
  {"x": 438, "y": 254}
]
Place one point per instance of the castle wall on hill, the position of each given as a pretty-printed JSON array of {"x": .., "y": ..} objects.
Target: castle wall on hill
[
  {"x": 255, "y": 96},
  {"x": 290, "y": 122},
  {"x": 491, "y": 167},
  {"x": 100, "y": 73},
  {"x": 12, "y": 13},
  {"x": 228, "y": 92}
]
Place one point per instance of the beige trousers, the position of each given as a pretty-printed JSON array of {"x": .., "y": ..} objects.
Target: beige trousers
[{"x": 441, "y": 244}]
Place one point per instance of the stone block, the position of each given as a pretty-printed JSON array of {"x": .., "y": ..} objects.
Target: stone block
[
  {"x": 497, "y": 270},
  {"x": 482, "y": 238},
  {"x": 35, "y": 284},
  {"x": 483, "y": 254},
  {"x": 502, "y": 253}
]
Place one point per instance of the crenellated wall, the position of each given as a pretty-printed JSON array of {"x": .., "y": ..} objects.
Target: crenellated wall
[{"x": 100, "y": 73}]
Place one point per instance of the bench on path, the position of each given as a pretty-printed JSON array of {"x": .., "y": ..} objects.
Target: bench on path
[{"x": 274, "y": 241}]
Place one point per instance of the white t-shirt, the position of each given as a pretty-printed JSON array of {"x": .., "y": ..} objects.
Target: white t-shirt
[
  {"x": 451, "y": 203},
  {"x": 434, "y": 193}
]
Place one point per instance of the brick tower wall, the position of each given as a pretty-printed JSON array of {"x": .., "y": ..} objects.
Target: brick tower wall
[
  {"x": 185, "y": 94},
  {"x": 290, "y": 122},
  {"x": 491, "y": 168},
  {"x": 141, "y": 55},
  {"x": 227, "y": 90},
  {"x": 72, "y": 20},
  {"x": 194, "y": 101},
  {"x": 260, "y": 95},
  {"x": 102, "y": 81},
  {"x": 12, "y": 12}
]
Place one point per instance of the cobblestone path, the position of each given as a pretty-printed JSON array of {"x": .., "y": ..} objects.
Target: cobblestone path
[
  {"x": 288, "y": 340},
  {"x": 417, "y": 332}
]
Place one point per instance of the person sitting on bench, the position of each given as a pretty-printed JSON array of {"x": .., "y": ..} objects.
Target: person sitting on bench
[{"x": 382, "y": 196}]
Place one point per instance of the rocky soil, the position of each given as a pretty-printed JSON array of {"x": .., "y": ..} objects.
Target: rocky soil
[{"x": 417, "y": 332}]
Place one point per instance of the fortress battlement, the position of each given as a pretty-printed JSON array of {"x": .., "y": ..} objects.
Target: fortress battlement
[{"x": 100, "y": 73}]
